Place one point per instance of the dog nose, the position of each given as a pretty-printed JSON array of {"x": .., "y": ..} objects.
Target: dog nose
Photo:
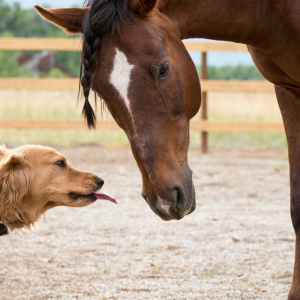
[{"x": 99, "y": 181}]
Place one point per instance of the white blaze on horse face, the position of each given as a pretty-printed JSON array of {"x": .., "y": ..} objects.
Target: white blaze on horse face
[{"x": 120, "y": 76}]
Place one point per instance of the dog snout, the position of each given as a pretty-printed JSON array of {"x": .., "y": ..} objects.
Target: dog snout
[{"x": 99, "y": 181}]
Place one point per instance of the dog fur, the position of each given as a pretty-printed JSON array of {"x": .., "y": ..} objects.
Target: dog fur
[{"x": 34, "y": 179}]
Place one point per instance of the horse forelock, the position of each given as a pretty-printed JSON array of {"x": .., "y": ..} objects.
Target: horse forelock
[{"x": 103, "y": 16}]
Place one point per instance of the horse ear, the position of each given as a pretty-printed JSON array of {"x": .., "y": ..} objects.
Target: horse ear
[
  {"x": 16, "y": 176},
  {"x": 67, "y": 18},
  {"x": 142, "y": 7}
]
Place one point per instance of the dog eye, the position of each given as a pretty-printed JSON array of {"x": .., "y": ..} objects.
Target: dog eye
[{"x": 60, "y": 163}]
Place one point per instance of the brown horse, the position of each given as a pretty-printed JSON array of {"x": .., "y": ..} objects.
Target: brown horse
[{"x": 134, "y": 59}]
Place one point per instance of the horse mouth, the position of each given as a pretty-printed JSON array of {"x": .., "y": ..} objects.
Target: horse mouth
[
  {"x": 193, "y": 208},
  {"x": 174, "y": 215},
  {"x": 178, "y": 207},
  {"x": 193, "y": 204}
]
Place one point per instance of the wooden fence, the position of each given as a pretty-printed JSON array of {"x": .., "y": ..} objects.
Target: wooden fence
[{"x": 204, "y": 126}]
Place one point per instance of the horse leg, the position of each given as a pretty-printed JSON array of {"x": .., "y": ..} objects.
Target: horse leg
[{"x": 289, "y": 103}]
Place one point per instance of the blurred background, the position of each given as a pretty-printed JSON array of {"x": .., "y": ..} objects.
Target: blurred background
[{"x": 19, "y": 19}]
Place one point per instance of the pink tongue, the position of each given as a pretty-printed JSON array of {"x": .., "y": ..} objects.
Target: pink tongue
[{"x": 104, "y": 196}]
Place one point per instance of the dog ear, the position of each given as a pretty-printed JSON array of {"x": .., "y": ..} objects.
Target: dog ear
[
  {"x": 142, "y": 7},
  {"x": 16, "y": 176},
  {"x": 67, "y": 18}
]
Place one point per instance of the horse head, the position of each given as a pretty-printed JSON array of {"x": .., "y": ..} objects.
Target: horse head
[{"x": 134, "y": 59}]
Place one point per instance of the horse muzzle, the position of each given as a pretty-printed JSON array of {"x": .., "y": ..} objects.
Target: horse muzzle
[{"x": 171, "y": 203}]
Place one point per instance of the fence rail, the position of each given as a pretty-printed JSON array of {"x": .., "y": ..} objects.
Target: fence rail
[
  {"x": 43, "y": 124},
  {"x": 72, "y": 84},
  {"x": 74, "y": 44}
]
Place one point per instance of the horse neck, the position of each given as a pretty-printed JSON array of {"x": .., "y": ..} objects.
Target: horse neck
[{"x": 237, "y": 21}]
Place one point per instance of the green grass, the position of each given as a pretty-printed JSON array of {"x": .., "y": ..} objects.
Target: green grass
[
  {"x": 63, "y": 105},
  {"x": 156, "y": 270},
  {"x": 106, "y": 270},
  {"x": 209, "y": 274},
  {"x": 251, "y": 140},
  {"x": 15, "y": 138},
  {"x": 242, "y": 107}
]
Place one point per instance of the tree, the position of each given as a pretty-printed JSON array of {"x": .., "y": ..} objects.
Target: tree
[
  {"x": 25, "y": 22},
  {"x": 239, "y": 72},
  {"x": 8, "y": 66},
  {"x": 18, "y": 22}
]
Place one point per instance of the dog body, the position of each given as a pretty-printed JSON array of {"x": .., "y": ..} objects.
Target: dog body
[{"x": 34, "y": 179}]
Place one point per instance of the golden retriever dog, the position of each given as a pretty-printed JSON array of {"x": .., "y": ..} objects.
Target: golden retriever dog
[{"x": 34, "y": 179}]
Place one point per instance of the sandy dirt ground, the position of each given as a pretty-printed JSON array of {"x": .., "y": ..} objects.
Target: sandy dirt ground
[{"x": 238, "y": 244}]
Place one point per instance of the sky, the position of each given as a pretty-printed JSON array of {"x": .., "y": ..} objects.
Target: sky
[{"x": 213, "y": 58}]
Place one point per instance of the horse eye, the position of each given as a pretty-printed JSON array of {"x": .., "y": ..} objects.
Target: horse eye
[
  {"x": 164, "y": 70},
  {"x": 60, "y": 163}
]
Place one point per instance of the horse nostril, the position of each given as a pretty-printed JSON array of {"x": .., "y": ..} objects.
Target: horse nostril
[
  {"x": 179, "y": 196},
  {"x": 99, "y": 181}
]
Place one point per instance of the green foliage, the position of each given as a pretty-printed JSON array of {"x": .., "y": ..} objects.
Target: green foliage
[
  {"x": 18, "y": 22},
  {"x": 55, "y": 73},
  {"x": 6, "y": 34},
  {"x": 70, "y": 60},
  {"x": 106, "y": 269},
  {"x": 239, "y": 72},
  {"x": 21, "y": 22},
  {"x": 8, "y": 66},
  {"x": 26, "y": 73}
]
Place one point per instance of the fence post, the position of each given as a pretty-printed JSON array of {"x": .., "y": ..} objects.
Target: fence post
[{"x": 204, "y": 75}]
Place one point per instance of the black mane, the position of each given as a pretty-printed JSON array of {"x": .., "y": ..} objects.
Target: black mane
[{"x": 103, "y": 16}]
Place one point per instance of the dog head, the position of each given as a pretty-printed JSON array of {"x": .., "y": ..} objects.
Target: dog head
[{"x": 34, "y": 179}]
